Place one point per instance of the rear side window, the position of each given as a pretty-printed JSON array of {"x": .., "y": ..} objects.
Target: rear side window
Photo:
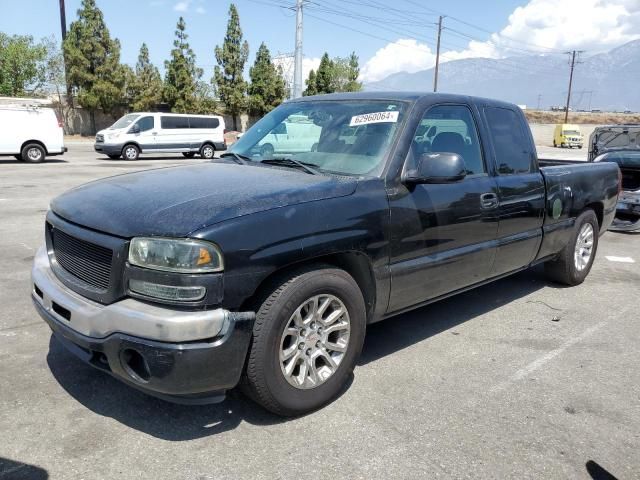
[
  {"x": 171, "y": 122},
  {"x": 511, "y": 145},
  {"x": 203, "y": 122}
]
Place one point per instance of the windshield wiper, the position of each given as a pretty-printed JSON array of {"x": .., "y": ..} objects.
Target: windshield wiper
[
  {"x": 290, "y": 162},
  {"x": 240, "y": 159}
]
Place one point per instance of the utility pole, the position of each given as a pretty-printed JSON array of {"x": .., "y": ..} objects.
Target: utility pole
[
  {"x": 435, "y": 73},
  {"x": 573, "y": 63},
  {"x": 539, "y": 98},
  {"x": 297, "y": 69},
  {"x": 63, "y": 20}
]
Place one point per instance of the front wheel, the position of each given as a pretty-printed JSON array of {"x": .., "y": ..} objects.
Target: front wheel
[
  {"x": 188, "y": 154},
  {"x": 307, "y": 337},
  {"x": 113, "y": 156},
  {"x": 574, "y": 262},
  {"x": 130, "y": 152}
]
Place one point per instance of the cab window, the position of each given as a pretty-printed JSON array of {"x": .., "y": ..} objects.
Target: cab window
[
  {"x": 145, "y": 123},
  {"x": 450, "y": 128}
]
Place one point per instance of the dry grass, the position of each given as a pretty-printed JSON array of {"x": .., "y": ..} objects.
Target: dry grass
[{"x": 539, "y": 116}]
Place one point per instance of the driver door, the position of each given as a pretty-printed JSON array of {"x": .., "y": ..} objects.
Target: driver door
[{"x": 443, "y": 235}]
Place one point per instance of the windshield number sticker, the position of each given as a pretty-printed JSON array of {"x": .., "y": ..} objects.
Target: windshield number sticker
[{"x": 377, "y": 117}]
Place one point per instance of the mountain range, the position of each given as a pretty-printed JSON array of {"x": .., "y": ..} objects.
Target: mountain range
[{"x": 606, "y": 81}]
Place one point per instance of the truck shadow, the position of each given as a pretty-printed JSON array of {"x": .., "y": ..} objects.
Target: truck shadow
[
  {"x": 392, "y": 335},
  {"x": 108, "y": 397},
  {"x": 20, "y": 470}
]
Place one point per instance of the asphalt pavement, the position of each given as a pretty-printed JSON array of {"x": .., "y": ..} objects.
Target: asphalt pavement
[{"x": 519, "y": 379}]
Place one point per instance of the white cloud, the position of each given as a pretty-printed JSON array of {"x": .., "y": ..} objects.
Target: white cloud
[
  {"x": 541, "y": 26},
  {"x": 404, "y": 55},
  {"x": 201, "y": 10},
  {"x": 182, "y": 6}
]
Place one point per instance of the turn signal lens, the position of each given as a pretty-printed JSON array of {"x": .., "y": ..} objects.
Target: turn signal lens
[{"x": 167, "y": 292}]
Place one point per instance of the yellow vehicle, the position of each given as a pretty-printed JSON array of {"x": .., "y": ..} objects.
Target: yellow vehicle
[{"x": 567, "y": 135}]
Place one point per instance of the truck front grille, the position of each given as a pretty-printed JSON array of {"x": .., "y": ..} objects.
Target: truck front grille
[{"x": 89, "y": 262}]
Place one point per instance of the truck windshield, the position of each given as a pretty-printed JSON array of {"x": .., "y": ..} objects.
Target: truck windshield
[
  {"x": 125, "y": 121},
  {"x": 571, "y": 132},
  {"x": 343, "y": 137}
]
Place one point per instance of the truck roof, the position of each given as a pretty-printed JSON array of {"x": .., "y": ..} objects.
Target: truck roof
[{"x": 405, "y": 97}]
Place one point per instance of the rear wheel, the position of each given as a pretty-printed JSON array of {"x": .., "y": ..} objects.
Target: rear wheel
[
  {"x": 33, "y": 153},
  {"x": 207, "y": 151},
  {"x": 555, "y": 145},
  {"x": 574, "y": 262},
  {"x": 130, "y": 152},
  {"x": 267, "y": 150},
  {"x": 307, "y": 338},
  {"x": 189, "y": 154}
]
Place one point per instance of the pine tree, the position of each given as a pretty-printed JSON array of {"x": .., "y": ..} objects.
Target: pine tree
[
  {"x": 353, "y": 72},
  {"x": 93, "y": 62},
  {"x": 146, "y": 92},
  {"x": 267, "y": 87},
  {"x": 325, "y": 75},
  {"x": 231, "y": 58},
  {"x": 311, "y": 85},
  {"x": 182, "y": 75}
]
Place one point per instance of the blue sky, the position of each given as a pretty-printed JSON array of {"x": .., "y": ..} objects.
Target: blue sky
[{"x": 397, "y": 44}]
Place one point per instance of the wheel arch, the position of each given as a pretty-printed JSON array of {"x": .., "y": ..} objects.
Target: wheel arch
[
  {"x": 38, "y": 142},
  {"x": 598, "y": 209},
  {"x": 356, "y": 264}
]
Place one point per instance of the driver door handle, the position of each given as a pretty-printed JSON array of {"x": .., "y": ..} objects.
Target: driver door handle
[{"x": 488, "y": 200}]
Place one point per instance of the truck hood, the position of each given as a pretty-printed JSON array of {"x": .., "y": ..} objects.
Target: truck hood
[{"x": 177, "y": 201}]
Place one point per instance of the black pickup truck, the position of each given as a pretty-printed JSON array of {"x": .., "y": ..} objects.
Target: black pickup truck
[{"x": 264, "y": 267}]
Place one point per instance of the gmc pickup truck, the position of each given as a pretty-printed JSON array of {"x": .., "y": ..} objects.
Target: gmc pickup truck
[{"x": 263, "y": 268}]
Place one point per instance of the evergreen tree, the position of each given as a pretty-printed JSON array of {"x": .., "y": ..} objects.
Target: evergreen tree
[
  {"x": 231, "y": 58},
  {"x": 325, "y": 75},
  {"x": 93, "y": 62},
  {"x": 182, "y": 75},
  {"x": 267, "y": 87},
  {"x": 146, "y": 91},
  {"x": 353, "y": 72},
  {"x": 311, "y": 85}
]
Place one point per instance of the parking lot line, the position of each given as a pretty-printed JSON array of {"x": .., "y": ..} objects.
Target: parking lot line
[
  {"x": 547, "y": 357},
  {"x": 620, "y": 259}
]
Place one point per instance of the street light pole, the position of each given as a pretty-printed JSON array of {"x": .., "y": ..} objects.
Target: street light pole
[{"x": 435, "y": 73}]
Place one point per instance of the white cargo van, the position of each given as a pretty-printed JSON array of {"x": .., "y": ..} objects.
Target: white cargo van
[
  {"x": 147, "y": 132},
  {"x": 30, "y": 133}
]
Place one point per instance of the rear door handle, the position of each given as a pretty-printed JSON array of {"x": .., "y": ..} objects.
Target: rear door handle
[{"x": 488, "y": 200}]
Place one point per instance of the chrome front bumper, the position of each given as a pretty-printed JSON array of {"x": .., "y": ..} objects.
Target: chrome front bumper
[{"x": 128, "y": 316}]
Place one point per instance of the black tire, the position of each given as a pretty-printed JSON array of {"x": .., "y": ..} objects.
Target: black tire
[
  {"x": 130, "y": 152},
  {"x": 207, "y": 151},
  {"x": 555, "y": 145},
  {"x": 33, "y": 153},
  {"x": 114, "y": 156},
  {"x": 264, "y": 380},
  {"x": 18, "y": 157},
  {"x": 189, "y": 154},
  {"x": 564, "y": 269},
  {"x": 580, "y": 147},
  {"x": 267, "y": 150}
]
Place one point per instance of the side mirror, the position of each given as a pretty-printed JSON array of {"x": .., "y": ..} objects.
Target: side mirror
[
  {"x": 437, "y": 167},
  {"x": 135, "y": 129}
]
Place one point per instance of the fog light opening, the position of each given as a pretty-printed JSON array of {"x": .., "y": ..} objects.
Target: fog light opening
[{"x": 135, "y": 365}]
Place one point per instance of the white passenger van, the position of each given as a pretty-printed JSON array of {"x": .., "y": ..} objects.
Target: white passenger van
[
  {"x": 296, "y": 134},
  {"x": 146, "y": 132},
  {"x": 30, "y": 133}
]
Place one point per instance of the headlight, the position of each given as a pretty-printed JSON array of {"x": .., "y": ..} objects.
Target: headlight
[{"x": 175, "y": 255}]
